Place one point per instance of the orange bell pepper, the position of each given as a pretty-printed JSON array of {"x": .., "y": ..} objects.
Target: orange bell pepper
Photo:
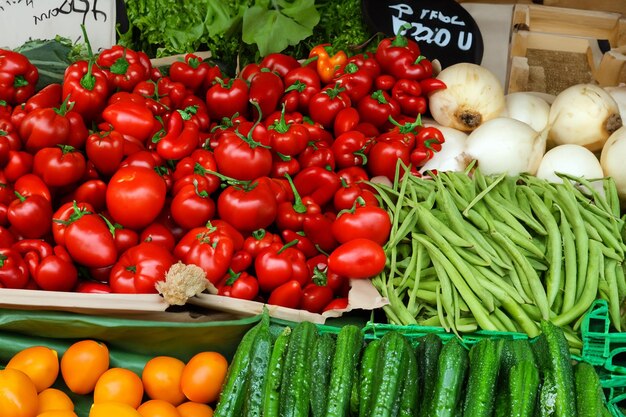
[{"x": 327, "y": 65}]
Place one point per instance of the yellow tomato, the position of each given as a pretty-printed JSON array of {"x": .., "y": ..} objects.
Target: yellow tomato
[
  {"x": 18, "y": 395},
  {"x": 40, "y": 363},
  {"x": 158, "y": 408},
  {"x": 52, "y": 399},
  {"x": 204, "y": 376},
  {"x": 161, "y": 379},
  {"x": 113, "y": 410},
  {"x": 82, "y": 364},
  {"x": 119, "y": 385},
  {"x": 193, "y": 409},
  {"x": 57, "y": 413}
]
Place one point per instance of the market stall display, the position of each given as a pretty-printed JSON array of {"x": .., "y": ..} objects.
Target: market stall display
[{"x": 304, "y": 182}]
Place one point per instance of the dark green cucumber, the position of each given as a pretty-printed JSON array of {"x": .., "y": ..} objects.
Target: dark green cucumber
[
  {"x": 502, "y": 406},
  {"x": 451, "y": 375},
  {"x": 344, "y": 370},
  {"x": 260, "y": 354},
  {"x": 296, "y": 383},
  {"x": 546, "y": 402},
  {"x": 409, "y": 395},
  {"x": 321, "y": 366},
  {"x": 555, "y": 364},
  {"x": 271, "y": 391},
  {"x": 483, "y": 377},
  {"x": 367, "y": 374},
  {"x": 428, "y": 351},
  {"x": 588, "y": 391},
  {"x": 521, "y": 376},
  {"x": 388, "y": 382},
  {"x": 233, "y": 393}
]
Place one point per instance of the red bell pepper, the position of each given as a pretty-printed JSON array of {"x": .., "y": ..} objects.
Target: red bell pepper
[
  {"x": 288, "y": 139},
  {"x": 429, "y": 140},
  {"x": 241, "y": 261},
  {"x": 347, "y": 119},
  {"x": 5, "y": 110},
  {"x": 196, "y": 167},
  {"x": 281, "y": 64},
  {"x": 259, "y": 240},
  {"x": 377, "y": 108},
  {"x": 194, "y": 73},
  {"x": 105, "y": 151},
  {"x": 181, "y": 138},
  {"x": 51, "y": 268},
  {"x": 156, "y": 100},
  {"x": 92, "y": 192},
  {"x": 325, "y": 105},
  {"x": 30, "y": 216},
  {"x": 18, "y": 77},
  {"x": 123, "y": 67},
  {"x": 227, "y": 97},
  {"x": 350, "y": 194},
  {"x": 316, "y": 296},
  {"x": 130, "y": 118},
  {"x": 361, "y": 221},
  {"x": 266, "y": 89},
  {"x": 13, "y": 269},
  {"x": 192, "y": 206},
  {"x": 393, "y": 54},
  {"x": 288, "y": 295},
  {"x": 140, "y": 268},
  {"x": 86, "y": 85},
  {"x": 46, "y": 127},
  {"x": 274, "y": 267},
  {"x": 350, "y": 149},
  {"x": 290, "y": 216},
  {"x": 303, "y": 243},
  {"x": 19, "y": 164},
  {"x": 318, "y": 183},
  {"x": 239, "y": 285},
  {"x": 211, "y": 250},
  {"x": 358, "y": 82},
  {"x": 283, "y": 164},
  {"x": 408, "y": 93},
  {"x": 430, "y": 85},
  {"x": 317, "y": 154},
  {"x": 49, "y": 96},
  {"x": 301, "y": 84},
  {"x": 317, "y": 228}
]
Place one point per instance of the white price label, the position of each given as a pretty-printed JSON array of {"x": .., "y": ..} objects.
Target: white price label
[{"x": 21, "y": 20}]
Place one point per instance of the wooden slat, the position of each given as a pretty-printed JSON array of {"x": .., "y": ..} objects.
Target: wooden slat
[{"x": 618, "y": 6}]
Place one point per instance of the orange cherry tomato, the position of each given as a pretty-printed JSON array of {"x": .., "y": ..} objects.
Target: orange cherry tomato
[
  {"x": 40, "y": 363},
  {"x": 113, "y": 409},
  {"x": 203, "y": 377},
  {"x": 119, "y": 385},
  {"x": 193, "y": 409},
  {"x": 52, "y": 399},
  {"x": 161, "y": 379},
  {"x": 82, "y": 364},
  {"x": 158, "y": 408},
  {"x": 57, "y": 413},
  {"x": 18, "y": 394}
]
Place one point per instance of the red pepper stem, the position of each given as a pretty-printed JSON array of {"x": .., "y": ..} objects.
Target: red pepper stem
[
  {"x": 88, "y": 81},
  {"x": 65, "y": 149},
  {"x": 65, "y": 107},
  {"x": 401, "y": 40},
  {"x": 112, "y": 227},
  {"x": 287, "y": 245},
  {"x": 319, "y": 277},
  {"x": 281, "y": 125},
  {"x": 201, "y": 194},
  {"x": 20, "y": 196},
  {"x": 2, "y": 259},
  {"x": 320, "y": 250},
  {"x": 232, "y": 276},
  {"x": 259, "y": 234},
  {"x": 298, "y": 205},
  {"x": 228, "y": 180},
  {"x": 3, "y": 132}
]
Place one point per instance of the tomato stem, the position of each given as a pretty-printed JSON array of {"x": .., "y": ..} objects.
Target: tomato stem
[
  {"x": 287, "y": 245},
  {"x": 298, "y": 205}
]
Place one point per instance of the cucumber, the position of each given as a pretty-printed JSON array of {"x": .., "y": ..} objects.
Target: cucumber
[
  {"x": 483, "y": 376},
  {"x": 296, "y": 383},
  {"x": 428, "y": 351},
  {"x": 588, "y": 391},
  {"x": 260, "y": 354},
  {"x": 546, "y": 404},
  {"x": 410, "y": 388},
  {"x": 271, "y": 391},
  {"x": 233, "y": 392},
  {"x": 452, "y": 370},
  {"x": 555, "y": 363},
  {"x": 321, "y": 366},
  {"x": 344, "y": 370},
  {"x": 521, "y": 376},
  {"x": 367, "y": 374},
  {"x": 388, "y": 382},
  {"x": 523, "y": 388},
  {"x": 501, "y": 406}
]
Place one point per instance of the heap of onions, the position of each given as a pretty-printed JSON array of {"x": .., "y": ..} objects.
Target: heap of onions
[
  {"x": 473, "y": 96},
  {"x": 506, "y": 145},
  {"x": 612, "y": 160},
  {"x": 575, "y": 160},
  {"x": 528, "y": 108},
  {"x": 583, "y": 114}
]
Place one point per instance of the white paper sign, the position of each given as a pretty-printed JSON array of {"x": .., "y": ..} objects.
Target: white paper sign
[{"x": 21, "y": 20}]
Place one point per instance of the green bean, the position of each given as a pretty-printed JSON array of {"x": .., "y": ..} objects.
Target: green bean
[
  {"x": 460, "y": 202},
  {"x": 463, "y": 184},
  {"x": 611, "y": 254},
  {"x": 518, "y": 239},
  {"x": 535, "y": 263},
  {"x": 597, "y": 197},
  {"x": 558, "y": 301},
  {"x": 612, "y": 196},
  {"x": 427, "y": 296},
  {"x": 605, "y": 232},
  {"x": 592, "y": 231},
  {"x": 581, "y": 239},
  {"x": 519, "y": 214},
  {"x": 522, "y": 200},
  {"x": 474, "y": 304},
  {"x": 498, "y": 264},
  {"x": 440, "y": 312},
  {"x": 591, "y": 288},
  {"x": 428, "y": 221},
  {"x": 418, "y": 272},
  {"x": 397, "y": 305},
  {"x": 509, "y": 326},
  {"x": 402, "y": 231},
  {"x": 536, "y": 287},
  {"x": 571, "y": 266},
  {"x": 532, "y": 312},
  {"x": 485, "y": 191},
  {"x": 621, "y": 280},
  {"x": 613, "y": 295},
  {"x": 514, "y": 309},
  {"x": 500, "y": 282}
]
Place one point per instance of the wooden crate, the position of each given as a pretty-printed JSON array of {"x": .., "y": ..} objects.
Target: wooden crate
[{"x": 553, "y": 48}]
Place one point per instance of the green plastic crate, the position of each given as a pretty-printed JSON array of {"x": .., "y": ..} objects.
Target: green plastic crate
[{"x": 601, "y": 347}]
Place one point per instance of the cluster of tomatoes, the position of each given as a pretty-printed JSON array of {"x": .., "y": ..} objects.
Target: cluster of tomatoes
[
  {"x": 167, "y": 387},
  {"x": 260, "y": 180}
]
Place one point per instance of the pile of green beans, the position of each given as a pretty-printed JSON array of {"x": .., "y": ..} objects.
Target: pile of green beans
[{"x": 469, "y": 251}]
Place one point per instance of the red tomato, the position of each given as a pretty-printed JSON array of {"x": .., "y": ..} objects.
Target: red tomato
[
  {"x": 362, "y": 222},
  {"x": 135, "y": 196},
  {"x": 90, "y": 242},
  {"x": 59, "y": 166},
  {"x": 358, "y": 258},
  {"x": 247, "y": 209}
]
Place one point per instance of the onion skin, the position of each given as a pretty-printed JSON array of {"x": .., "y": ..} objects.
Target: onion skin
[
  {"x": 451, "y": 157},
  {"x": 569, "y": 159},
  {"x": 612, "y": 160},
  {"x": 528, "y": 108},
  {"x": 506, "y": 145},
  {"x": 583, "y": 114},
  {"x": 473, "y": 96}
]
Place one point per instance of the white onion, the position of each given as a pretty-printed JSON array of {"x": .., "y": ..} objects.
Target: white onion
[
  {"x": 451, "y": 157},
  {"x": 528, "y": 108},
  {"x": 619, "y": 95},
  {"x": 473, "y": 95},
  {"x": 570, "y": 159},
  {"x": 381, "y": 179},
  {"x": 506, "y": 145},
  {"x": 583, "y": 114},
  {"x": 612, "y": 160}
]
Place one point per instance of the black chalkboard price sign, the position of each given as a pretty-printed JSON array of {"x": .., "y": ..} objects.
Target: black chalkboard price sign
[{"x": 443, "y": 29}]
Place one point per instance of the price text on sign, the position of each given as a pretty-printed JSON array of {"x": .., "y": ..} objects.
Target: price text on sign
[
  {"x": 21, "y": 20},
  {"x": 442, "y": 28}
]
